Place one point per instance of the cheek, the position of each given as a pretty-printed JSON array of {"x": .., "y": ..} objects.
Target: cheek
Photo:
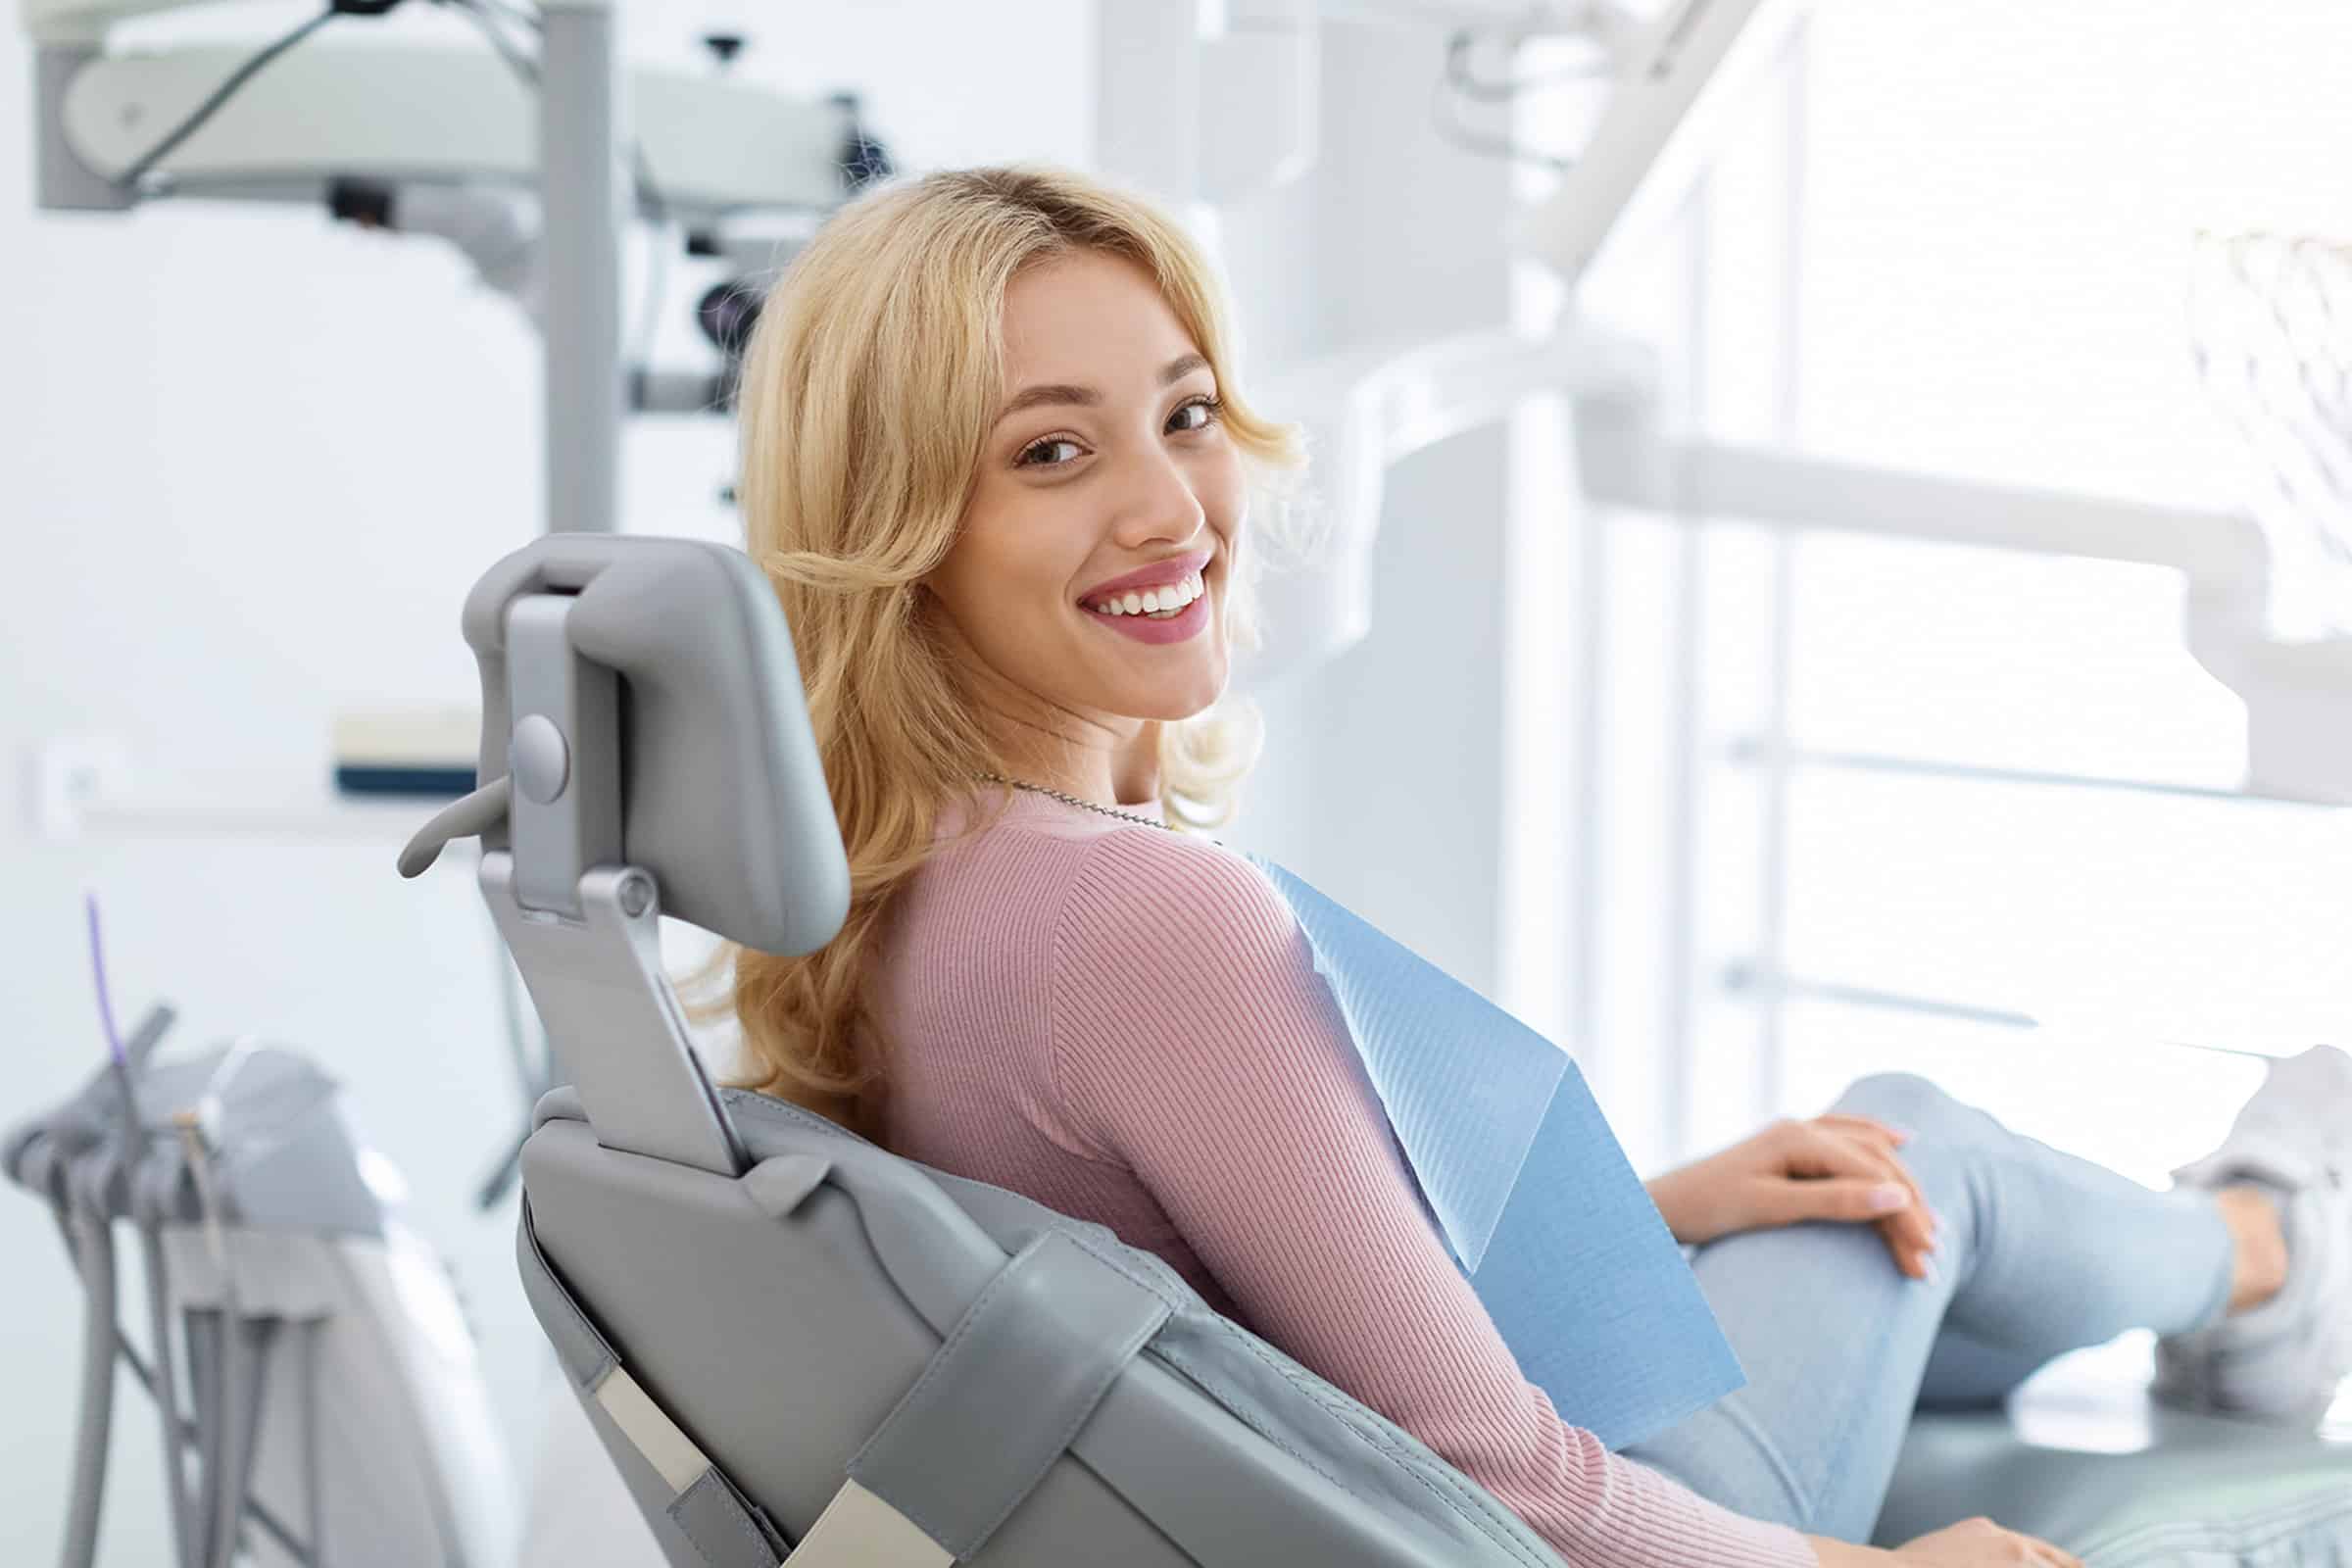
[
  {"x": 1013, "y": 548},
  {"x": 1222, "y": 489}
]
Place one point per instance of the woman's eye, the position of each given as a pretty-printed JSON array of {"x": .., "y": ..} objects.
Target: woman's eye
[
  {"x": 1029, "y": 455},
  {"x": 1207, "y": 408},
  {"x": 1041, "y": 454}
]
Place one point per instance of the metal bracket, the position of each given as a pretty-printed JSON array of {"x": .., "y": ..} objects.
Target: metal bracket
[{"x": 611, "y": 1019}]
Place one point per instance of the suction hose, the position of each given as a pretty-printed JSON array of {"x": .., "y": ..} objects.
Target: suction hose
[{"x": 94, "y": 1255}]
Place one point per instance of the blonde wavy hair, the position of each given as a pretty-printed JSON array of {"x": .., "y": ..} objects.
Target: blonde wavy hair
[{"x": 869, "y": 386}]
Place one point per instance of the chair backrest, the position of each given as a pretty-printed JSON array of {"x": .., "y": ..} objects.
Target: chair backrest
[{"x": 786, "y": 1337}]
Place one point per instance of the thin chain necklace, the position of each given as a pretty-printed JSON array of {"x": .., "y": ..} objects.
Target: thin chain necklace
[{"x": 997, "y": 778}]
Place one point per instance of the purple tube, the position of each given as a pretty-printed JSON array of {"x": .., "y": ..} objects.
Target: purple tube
[{"x": 106, "y": 1007}]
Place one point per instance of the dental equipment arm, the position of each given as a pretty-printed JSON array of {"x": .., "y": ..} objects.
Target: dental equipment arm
[
  {"x": 1654, "y": 133},
  {"x": 329, "y": 120},
  {"x": 2298, "y": 745},
  {"x": 1364, "y": 414},
  {"x": 347, "y": 110}
]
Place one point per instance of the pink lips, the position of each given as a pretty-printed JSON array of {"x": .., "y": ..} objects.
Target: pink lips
[{"x": 1166, "y": 571}]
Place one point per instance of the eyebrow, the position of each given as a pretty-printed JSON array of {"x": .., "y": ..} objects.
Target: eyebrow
[{"x": 1086, "y": 397}]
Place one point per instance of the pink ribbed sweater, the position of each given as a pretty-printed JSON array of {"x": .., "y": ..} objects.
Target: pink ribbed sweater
[{"x": 1125, "y": 1024}]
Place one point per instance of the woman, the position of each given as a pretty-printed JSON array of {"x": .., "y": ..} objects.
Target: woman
[{"x": 994, "y": 462}]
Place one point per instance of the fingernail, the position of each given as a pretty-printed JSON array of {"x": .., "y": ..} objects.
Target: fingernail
[
  {"x": 1898, "y": 1128},
  {"x": 1888, "y": 1196}
]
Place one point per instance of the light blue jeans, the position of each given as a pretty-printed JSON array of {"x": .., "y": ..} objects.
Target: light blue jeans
[{"x": 2040, "y": 1253}]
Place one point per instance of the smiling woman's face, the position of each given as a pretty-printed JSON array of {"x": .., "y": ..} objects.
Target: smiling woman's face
[{"x": 1108, "y": 458}]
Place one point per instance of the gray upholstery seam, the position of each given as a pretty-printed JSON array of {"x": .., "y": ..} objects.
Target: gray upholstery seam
[
  {"x": 1370, "y": 1436},
  {"x": 1463, "y": 1502},
  {"x": 945, "y": 1352},
  {"x": 1118, "y": 1267},
  {"x": 571, "y": 1307},
  {"x": 1463, "y": 1505},
  {"x": 732, "y": 1516},
  {"x": 955, "y": 1335},
  {"x": 1116, "y": 1367},
  {"x": 1184, "y": 1363},
  {"x": 931, "y": 1368},
  {"x": 921, "y": 1521},
  {"x": 1337, "y": 1410}
]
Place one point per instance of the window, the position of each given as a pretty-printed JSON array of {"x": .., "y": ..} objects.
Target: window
[{"x": 1999, "y": 204}]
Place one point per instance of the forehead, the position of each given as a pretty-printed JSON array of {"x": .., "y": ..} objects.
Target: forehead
[{"x": 1089, "y": 318}]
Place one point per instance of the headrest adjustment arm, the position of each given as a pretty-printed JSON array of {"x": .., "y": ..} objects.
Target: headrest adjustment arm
[{"x": 612, "y": 1021}]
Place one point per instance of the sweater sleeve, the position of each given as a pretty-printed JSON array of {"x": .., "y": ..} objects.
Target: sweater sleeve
[{"x": 1193, "y": 1043}]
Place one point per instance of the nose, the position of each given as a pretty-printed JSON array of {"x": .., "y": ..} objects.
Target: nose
[{"x": 1157, "y": 502}]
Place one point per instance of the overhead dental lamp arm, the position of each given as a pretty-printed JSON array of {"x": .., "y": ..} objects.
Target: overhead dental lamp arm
[
  {"x": 2298, "y": 694},
  {"x": 343, "y": 108},
  {"x": 313, "y": 118},
  {"x": 1366, "y": 412},
  {"x": 1674, "y": 75}
]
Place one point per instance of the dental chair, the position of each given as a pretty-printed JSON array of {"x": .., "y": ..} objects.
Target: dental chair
[{"x": 794, "y": 1344}]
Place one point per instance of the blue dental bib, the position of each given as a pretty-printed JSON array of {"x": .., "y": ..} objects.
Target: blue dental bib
[{"x": 1523, "y": 1178}]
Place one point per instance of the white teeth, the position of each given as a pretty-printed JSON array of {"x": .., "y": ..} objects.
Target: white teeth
[{"x": 1159, "y": 601}]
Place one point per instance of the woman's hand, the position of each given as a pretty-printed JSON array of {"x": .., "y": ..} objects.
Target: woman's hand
[
  {"x": 1971, "y": 1544},
  {"x": 1981, "y": 1544},
  {"x": 1830, "y": 1168}
]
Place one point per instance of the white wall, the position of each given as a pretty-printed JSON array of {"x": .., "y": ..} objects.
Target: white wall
[{"x": 252, "y": 462}]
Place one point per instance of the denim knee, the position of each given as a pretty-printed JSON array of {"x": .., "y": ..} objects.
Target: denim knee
[
  {"x": 1906, "y": 1100},
  {"x": 1945, "y": 1146}
]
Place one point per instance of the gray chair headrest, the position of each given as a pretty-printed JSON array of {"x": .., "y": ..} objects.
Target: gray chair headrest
[{"x": 724, "y": 796}]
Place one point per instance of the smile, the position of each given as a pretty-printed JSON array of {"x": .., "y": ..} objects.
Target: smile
[
  {"x": 1163, "y": 603},
  {"x": 1157, "y": 626}
]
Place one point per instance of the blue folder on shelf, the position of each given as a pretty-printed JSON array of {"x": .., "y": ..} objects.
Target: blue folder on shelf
[{"x": 1528, "y": 1187}]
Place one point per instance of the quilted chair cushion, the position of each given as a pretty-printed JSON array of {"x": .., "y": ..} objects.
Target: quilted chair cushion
[{"x": 2082, "y": 1456}]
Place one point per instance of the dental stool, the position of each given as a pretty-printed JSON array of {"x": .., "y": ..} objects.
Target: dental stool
[{"x": 791, "y": 1342}]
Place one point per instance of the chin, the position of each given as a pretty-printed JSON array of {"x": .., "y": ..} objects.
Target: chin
[{"x": 1170, "y": 703}]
